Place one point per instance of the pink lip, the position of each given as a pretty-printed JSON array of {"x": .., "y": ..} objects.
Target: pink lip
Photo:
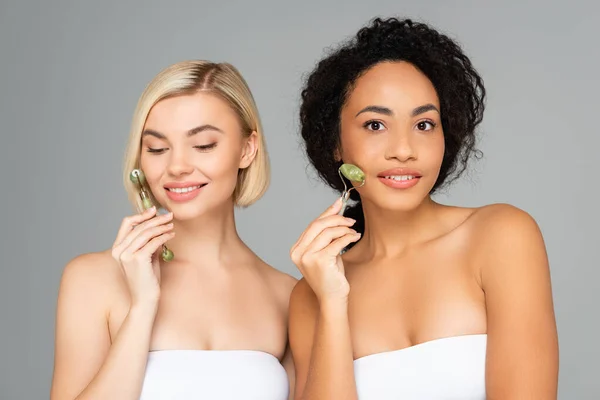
[
  {"x": 183, "y": 184},
  {"x": 400, "y": 171},
  {"x": 399, "y": 184},
  {"x": 183, "y": 197}
]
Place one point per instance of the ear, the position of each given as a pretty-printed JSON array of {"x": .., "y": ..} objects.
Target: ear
[
  {"x": 249, "y": 151},
  {"x": 337, "y": 155}
]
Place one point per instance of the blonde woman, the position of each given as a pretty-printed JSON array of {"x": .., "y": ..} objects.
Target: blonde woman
[{"x": 211, "y": 322}]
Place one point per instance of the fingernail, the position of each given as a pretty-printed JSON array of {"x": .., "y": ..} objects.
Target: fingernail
[{"x": 351, "y": 220}]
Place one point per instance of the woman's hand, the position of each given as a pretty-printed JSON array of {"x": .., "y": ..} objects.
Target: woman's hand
[
  {"x": 317, "y": 254},
  {"x": 136, "y": 250}
]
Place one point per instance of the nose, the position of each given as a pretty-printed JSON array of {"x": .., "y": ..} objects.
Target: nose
[
  {"x": 179, "y": 163},
  {"x": 400, "y": 146}
]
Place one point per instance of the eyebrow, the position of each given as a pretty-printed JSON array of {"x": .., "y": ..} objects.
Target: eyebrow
[
  {"x": 376, "y": 109},
  {"x": 423, "y": 109},
  {"x": 386, "y": 111},
  {"x": 191, "y": 132}
]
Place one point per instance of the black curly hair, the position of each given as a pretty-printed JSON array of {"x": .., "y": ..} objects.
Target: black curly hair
[{"x": 459, "y": 88}]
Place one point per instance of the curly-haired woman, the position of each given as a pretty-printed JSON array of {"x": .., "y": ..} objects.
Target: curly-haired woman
[{"x": 403, "y": 297}]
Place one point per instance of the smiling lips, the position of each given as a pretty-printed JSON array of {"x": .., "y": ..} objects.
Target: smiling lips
[
  {"x": 183, "y": 191},
  {"x": 399, "y": 178}
]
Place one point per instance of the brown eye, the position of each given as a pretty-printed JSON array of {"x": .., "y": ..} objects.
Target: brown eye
[
  {"x": 425, "y": 125},
  {"x": 374, "y": 125}
]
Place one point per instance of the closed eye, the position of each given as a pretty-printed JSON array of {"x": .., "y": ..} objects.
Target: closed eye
[
  {"x": 156, "y": 151},
  {"x": 206, "y": 147}
]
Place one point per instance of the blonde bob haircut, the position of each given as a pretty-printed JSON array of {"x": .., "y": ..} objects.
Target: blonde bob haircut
[{"x": 223, "y": 80}]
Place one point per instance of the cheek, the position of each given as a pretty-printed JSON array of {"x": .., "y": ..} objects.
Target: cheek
[
  {"x": 439, "y": 148},
  {"x": 224, "y": 162},
  {"x": 369, "y": 153},
  {"x": 359, "y": 148},
  {"x": 432, "y": 152},
  {"x": 153, "y": 167}
]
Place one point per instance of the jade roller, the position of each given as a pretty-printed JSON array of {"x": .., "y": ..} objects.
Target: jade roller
[
  {"x": 137, "y": 177},
  {"x": 353, "y": 174}
]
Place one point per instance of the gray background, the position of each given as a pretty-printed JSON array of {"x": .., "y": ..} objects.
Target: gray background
[{"x": 71, "y": 72}]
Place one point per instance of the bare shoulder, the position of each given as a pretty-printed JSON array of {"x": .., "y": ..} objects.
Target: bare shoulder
[
  {"x": 280, "y": 282},
  {"x": 499, "y": 223},
  {"x": 508, "y": 233},
  {"x": 93, "y": 275},
  {"x": 92, "y": 266}
]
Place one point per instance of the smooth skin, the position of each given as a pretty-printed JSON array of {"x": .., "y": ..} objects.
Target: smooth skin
[
  {"x": 422, "y": 270},
  {"x": 117, "y": 305}
]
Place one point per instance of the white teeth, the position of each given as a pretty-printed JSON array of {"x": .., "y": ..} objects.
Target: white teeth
[
  {"x": 401, "y": 177},
  {"x": 184, "y": 190}
]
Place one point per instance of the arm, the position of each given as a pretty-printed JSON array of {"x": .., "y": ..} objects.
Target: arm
[
  {"x": 288, "y": 365},
  {"x": 319, "y": 328},
  {"x": 321, "y": 345},
  {"x": 86, "y": 365},
  {"x": 522, "y": 355}
]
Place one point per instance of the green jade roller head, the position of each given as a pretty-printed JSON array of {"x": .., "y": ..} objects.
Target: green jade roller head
[
  {"x": 353, "y": 174},
  {"x": 137, "y": 177}
]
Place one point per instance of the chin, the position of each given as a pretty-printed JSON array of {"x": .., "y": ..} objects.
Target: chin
[
  {"x": 399, "y": 202},
  {"x": 192, "y": 210},
  {"x": 186, "y": 215}
]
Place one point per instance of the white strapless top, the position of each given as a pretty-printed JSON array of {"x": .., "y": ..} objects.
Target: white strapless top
[
  {"x": 214, "y": 375},
  {"x": 448, "y": 368}
]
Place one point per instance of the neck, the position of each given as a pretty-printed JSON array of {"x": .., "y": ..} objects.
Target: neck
[
  {"x": 389, "y": 233},
  {"x": 210, "y": 239}
]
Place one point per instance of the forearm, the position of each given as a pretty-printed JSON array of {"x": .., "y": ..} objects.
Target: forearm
[
  {"x": 122, "y": 373},
  {"x": 331, "y": 370}
]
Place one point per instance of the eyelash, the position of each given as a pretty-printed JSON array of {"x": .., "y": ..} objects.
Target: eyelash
[
  {"x": 205, "y": 147},
  {"x": 433, "y": 125},
  {"x": 368, "y": 123}
]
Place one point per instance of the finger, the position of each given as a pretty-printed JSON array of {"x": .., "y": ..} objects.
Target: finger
[
  {"x": 129, "y": 245},
  {"x": 153, "y": 245},
  {"x": 328, "y": 235},
  {"x": 318, "y": 226},
  {"x": 146, "y": 236},
  {"x": 331, "y": 210},
  {"x": 130, "y": 222},
  {"x": 151, "y": 223},
  {"x": 339, "y": 244}
]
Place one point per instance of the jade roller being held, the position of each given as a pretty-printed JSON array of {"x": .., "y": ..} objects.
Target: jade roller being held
[
  {"x": 353, "y": 174},
  {"x": 137, "y": 177}
]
